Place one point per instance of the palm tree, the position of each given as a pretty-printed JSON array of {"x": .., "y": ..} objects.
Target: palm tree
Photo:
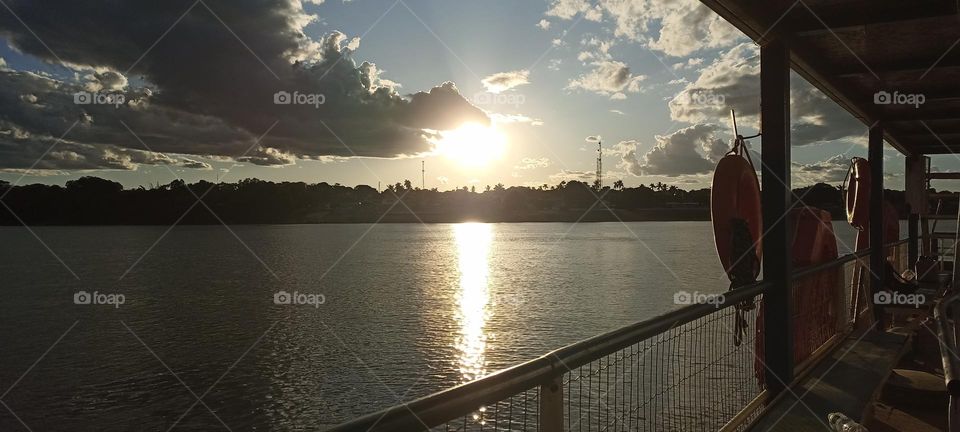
[{"x": 618, "y": 185}]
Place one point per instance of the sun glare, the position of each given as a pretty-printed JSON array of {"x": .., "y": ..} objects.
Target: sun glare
[{"x": 472, "y": 144}]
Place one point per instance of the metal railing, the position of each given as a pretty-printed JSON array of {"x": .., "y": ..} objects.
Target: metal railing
[
  {"x": 678, "y": 371},
  {"x": 947, "y": 316}
]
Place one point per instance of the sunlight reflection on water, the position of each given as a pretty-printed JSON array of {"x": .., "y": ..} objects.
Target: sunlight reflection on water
[{"x": 473, "y": 251}]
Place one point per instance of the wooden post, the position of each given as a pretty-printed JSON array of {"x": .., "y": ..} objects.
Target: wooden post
[
  {"x": 878, "y": 254},
  {"x": 776, "y": 199},
  {"x": 551, "y": 405}
]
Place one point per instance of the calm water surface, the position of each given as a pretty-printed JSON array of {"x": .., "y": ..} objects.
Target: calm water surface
[{"x": 409, "y": 309}]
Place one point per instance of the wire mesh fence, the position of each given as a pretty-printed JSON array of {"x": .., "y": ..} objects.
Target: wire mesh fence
[
  {"x": 699, "y": 368},
  {"x": 519, "y": 412},
  {"x": 692, "y": 377}
]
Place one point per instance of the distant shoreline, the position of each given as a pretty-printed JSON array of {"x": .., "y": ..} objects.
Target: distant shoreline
[{"x": 403, "y": 216}]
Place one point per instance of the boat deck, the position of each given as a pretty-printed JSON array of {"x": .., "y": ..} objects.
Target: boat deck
[{"x": 914, "y": 397}]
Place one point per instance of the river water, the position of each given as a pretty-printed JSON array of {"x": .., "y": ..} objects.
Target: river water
[{"x": 389, "y": 313}]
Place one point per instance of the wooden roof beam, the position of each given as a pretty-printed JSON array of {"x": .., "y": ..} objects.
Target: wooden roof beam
[
  {"x": 852, "y": 15},
  {"x": 919, "y": 65}
]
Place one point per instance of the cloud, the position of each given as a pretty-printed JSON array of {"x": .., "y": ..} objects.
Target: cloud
[
  {"x": 515, "y": 118},
  {"x": 568, "y": 175},
  {"x": 688, "y": 26},
  {"x": 567, "y": 9},
  {"x": 533, "y": 163},
  {"x": 830, "y": 170},
  {"x": 189, "y": 163},
  {"x": 595, "y": 50},
  {"x": 692, "y": 150},
  {"x": 543, "y": 24},
  {"x": 504, "y": 81},
  {"x": 732, "y": 81},
  {"x": 689, "y": 64},
  {"x": 199, "y": 91},
  {"x": 609, "y": 78},
  {"x": 677, "y": 28}
]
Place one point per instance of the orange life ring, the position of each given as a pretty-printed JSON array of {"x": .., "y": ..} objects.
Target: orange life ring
[
  {"x": 735, "y": 194},
  {"x": 858, "y": 193}
]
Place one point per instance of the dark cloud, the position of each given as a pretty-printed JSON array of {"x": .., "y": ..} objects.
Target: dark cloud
[
  {"x": 210, "y": 83},
  {"x": 831, "y": 170},
  {"x": 688, "y": 151},
  {"x": 733, "y": 82}
]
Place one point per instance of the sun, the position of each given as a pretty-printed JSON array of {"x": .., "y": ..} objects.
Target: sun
[{"x": 472, "y": 144}]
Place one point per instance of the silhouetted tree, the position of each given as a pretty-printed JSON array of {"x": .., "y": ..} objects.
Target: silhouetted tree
[{"x": 92, "y": 200}]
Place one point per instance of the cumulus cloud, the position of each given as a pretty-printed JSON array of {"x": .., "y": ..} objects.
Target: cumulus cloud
[
  {"x": 543, "y": 24},
  {"x": 595, "y": 49},
  {"x": 830, "y": 170},
  {"x": 688, "y": 26},
  {"x": 201, "y": 92},
  {"x": 689, "y": 64},
  {"x": 609, "y": 78},
  {"x": 532, "y": 163},
  {"x": 189, "y": 163},
  {"x": 567, "y": 9},
  {"x": 568, "y": 175},
  {"x": 691, "y": 150},
  {"x": 677, "y": 28},
  {"x": 732, "y": 81},
  {"x": 504, "y": 81}
]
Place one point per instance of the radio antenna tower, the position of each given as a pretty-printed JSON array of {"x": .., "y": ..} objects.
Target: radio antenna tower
[
  {"x": 599, "y": 166},
  {"x": 423, "y": 175}
]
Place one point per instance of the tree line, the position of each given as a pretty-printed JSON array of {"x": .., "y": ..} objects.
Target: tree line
[{"x": 97, "y": 201}]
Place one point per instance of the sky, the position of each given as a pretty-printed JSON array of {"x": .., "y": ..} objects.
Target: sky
[{"x": 474, "y": 92}]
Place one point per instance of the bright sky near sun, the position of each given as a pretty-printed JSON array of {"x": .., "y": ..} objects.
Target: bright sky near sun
[{"x": 531, "y": 81}]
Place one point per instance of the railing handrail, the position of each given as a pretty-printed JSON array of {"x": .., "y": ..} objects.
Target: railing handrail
[
  {"x": 455, "y": 402},
  {"x": 841, "y": 260},
  {"x": 948, "y": 343}
]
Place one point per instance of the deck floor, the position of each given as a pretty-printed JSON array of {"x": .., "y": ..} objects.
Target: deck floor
[{"x": 914, "y": 411}]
